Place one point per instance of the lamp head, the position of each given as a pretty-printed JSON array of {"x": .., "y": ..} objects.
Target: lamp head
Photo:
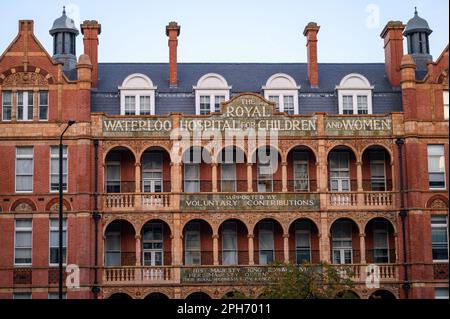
[{"x": 71, "y": 122}]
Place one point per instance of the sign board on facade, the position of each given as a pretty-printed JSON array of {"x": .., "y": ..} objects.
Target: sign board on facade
[
  {"x": 219, "y": 275},
  {"x": 253, "y": 202}
]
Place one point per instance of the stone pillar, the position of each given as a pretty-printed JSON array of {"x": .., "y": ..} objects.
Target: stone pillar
[
  {"x": 214, "y": 177},
  {"x": 250, "y": 177},
  {"x": 251, "y": 252},
  {"x": 36, "y": 105},
  {"x": 176, "y": 177},
  {"x": 286, "y": 248},
  {"x": 284, "y": 179},
  {"x": 362, "y": 247},
  {"x": 215, "y": 238},
  {"x": 359, "y": 181},
  {"x": 324, "y": 238},
  {"x": 396, "y": 249},
  {"x": 137, "y": 177},
  {"x": 138, "y": 250},
  {"x": 177, "y": 244}
]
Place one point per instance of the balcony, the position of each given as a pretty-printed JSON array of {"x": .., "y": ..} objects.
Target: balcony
[
  {"x": 236, "y": 275},
  {"x": 139, "y": 201},
  {"x": 360, "y": 200}
]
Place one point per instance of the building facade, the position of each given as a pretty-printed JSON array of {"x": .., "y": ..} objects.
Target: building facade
[{"x": 185, "y": 180}]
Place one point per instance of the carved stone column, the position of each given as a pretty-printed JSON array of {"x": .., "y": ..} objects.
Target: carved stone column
[
  {"x": 359, "y": 181},
  {"x": 250, "y": 177},
  {"x": 284, "y": 179},
  {"x": 286, "y": 248},
  {"x": 251, "y": 252},
  {"x": 137, "y": 177},
  {"x": 215, "y": 238},
  {"x": 362, "y": 247},
  {"x": 214, "y": 177},
  {"x": 138, "y": 250}
]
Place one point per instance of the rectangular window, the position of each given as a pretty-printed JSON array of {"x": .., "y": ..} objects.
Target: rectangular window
[
  {"x": 377, "y": 171},
  {"x": 288, "y": 106},
  {"x": 112, "y": 249},
  {"x": 205, "y": 105},
  {"x": 436, "y": 167},
  {"x": 113, "y": 176},
  {"x": 55, "y": 295},
  {"x": 339, "y": 172},
  {"x": 130, "y": 105},
  {"x": 192, "y": 178},
  {"x": 302, "y": 242},
  {"x": 144, "y": 105},
  {"x": 217, "y": 100},
  {"x": 381, "y": 242},
  {"x": 6, "y": 105},
  {"x": 24, "y": 169},
  {"x": 265, "y": 177},
  {"x": 446, "y": 107},
  {"x": 441, "y": 293},
  {"x": 266, "y": 243},
  {"x": 363, "y": 107},
  {"x": 22, "y": 295},
  {"x": 439, "y": 237},
  {"x": 228, "y": 174},
  {"x": 43, "y": 105},
  {"x": 347, "y": 101},
  {"x": 301, "y": 176},
  {"x": 275, "y": 99},
  {"x": 23, "y": 240},
  {"x": 192, "y": 244},
  {"x": 54, "y": 241},
  {"x": 342, "y": 242},
  {"x": 229, "y": 244},
  {"x": 25, "y": 105},
  {"x": 54, "y": 168}
]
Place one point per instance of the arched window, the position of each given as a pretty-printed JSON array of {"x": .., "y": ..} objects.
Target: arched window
[
  {"x": 282, "y": 89},
  {"x": 355, "y": 95},
  {"x": 211, "y": 90},
  {"x": 137, "y": 95}
]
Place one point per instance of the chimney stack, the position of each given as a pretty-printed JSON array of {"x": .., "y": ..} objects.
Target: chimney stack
[
  {"x": 310, "y": 33},
  {"x": 91, "y": 30},
  {"x": 173, "y": 31},
  {"x": 393, "y": 50}
]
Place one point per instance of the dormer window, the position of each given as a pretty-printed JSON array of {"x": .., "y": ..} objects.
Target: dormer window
[
  {"x": 211, "y": 90},
  {"x": 355, "y": 95},
  {"x": 137, "y": 96},
  {"x": 282, "y": 90}
]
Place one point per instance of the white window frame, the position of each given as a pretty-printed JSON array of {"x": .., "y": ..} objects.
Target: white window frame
[
  {"x": 203, "y": 89},
  {"x": 153, "y": 251},
  {"x": 271, "y": 232},
  {"x": 385, "y": 232},
  {"x": 55, "y": 295},
  {"x": 232, "y": 229},
  {"x": 443, "y": 173},
  {"x": 113, "y": 163},
  {"x": 300, "y": 231},
  {"x": 25, "y": 106},
  {"x": 222, "y": 180},
  {"x": 127, "y": 90},
  {"x": 446, "y": 105},
  {"x": 378, "y": 162},
  {"x": 194, "y": 227},
  {"x": 42, "y": 105},
  {"x": 113, "y": 233},
  {"x": 32, "y": 170},
  {"x": 439, "y": 226},
  {"x": 301, "y": 162},
  {"x": 56, "y": 229},
  {"x": 23, "y": 229},
  {"x": 9, "y": 105},
  {"x": 185, "y": 180},
  {"x": 15, "y": 295},
  {"x": 272, "y": 88},
  {"x": 364, "y": 90},
  {"x": 65, "y": 157},
  {"x": 444, "y": 297}
]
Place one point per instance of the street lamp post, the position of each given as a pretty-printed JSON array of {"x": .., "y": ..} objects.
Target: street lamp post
[{"x": 60, "y": 210}]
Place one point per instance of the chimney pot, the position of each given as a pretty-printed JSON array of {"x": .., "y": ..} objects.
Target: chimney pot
[
  {"x": 91, "y": 29},
  {"x": 310, "y": 32},
  {"x": 173, "y": 31},
  {"x": 393, "y": 50}
]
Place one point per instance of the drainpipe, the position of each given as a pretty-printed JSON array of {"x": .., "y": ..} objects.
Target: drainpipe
[
  {"x": 96, "y": 216},
  {"x": 403, "y": 215}
]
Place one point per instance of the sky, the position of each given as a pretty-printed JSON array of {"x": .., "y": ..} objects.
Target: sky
[{"x": 231, "y": 30}]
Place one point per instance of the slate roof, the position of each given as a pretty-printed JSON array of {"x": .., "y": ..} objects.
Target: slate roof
[{"x": 243, "y": 77}]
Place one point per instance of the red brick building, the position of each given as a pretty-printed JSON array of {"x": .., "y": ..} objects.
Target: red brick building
[{"x": 357, "y": 174}]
